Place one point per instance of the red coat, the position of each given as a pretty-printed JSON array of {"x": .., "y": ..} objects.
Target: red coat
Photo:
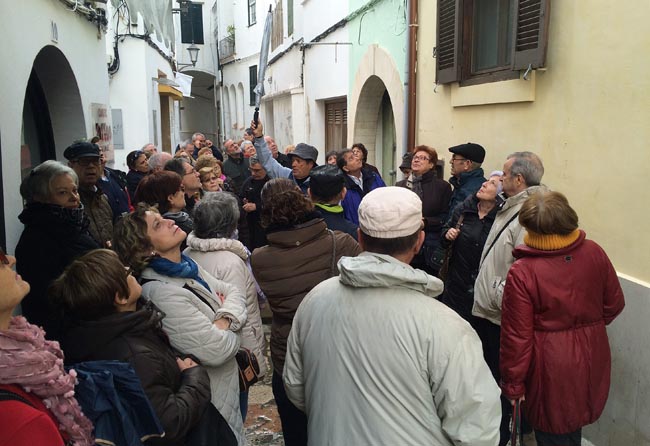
[
  {"x": 554, "y": 345},
  {"x": 23, "y": 425}
]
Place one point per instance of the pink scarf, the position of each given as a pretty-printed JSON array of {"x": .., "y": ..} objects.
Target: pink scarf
[{"x": 36, "y": 364}]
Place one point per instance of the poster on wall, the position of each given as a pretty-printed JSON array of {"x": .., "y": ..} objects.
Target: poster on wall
[{"x": 101, "y": 121}]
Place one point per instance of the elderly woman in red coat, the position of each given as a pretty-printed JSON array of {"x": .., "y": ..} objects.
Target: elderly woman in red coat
[{"x": 560, "y": 294}]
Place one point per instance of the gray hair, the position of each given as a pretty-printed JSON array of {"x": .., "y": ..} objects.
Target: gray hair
[
  {"x": 474, "y": 165},
  {"x": 36, "y": 187},
  {"x": 186, "y": 143},
  {"x": 216, "y": 215},
  {"x": 158, "y": 160},
  {"x": 528, "y": 165},
  {"x": 254, "y": 160},
  {"x": 196, "y": 135}
]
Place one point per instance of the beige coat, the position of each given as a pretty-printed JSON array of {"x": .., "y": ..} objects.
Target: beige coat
[
  {"x": 495, "y": 263},
  {"x": 226, "y": 259}
]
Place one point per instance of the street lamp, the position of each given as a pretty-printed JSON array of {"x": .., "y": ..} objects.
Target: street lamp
[{"x": 194, "y": 55}]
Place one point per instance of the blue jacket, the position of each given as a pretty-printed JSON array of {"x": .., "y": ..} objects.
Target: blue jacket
[
  {"x": 273, "y": 168},
  {"x": 112, "y": 397},
  {"x": 468, "y": 184},
  {"x": 352, "y": 200}
]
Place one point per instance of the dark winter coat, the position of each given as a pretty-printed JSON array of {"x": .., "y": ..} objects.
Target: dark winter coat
[
  {"x": 295, "y": 261},
  {"x": 436, "y": 194},
  {"x": 335, "y": 220},
  {"x": 466, "y": 255},
  {"x": 252, "y": 193},
  {"x": 236, "y": 169},
  {"x": 48, "y": 244},
  {"x": 465, "y": 185},
  {"x": 178, "y": 398},
  {"x": 554, "y": 345},
  {"x": 352, "y": 200},
  {"x": 133, "y": 178}
]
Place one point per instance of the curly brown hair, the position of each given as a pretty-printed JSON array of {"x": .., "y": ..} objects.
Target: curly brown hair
[
  {"x": 430, "y": 151},
  {"x": 204, "y": 161},
  {"x": 131, "y": 241},
  {"x": 283, "y": 204}
]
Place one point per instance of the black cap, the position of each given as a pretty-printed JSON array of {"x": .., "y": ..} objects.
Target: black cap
[
  {"x": 471, "y": 151},
  {"x": 406, "y": 160},
  {"x": 326, "y": 181},
  {"x": 305, "y": 151},
  {"x": 81, "y": 150}
]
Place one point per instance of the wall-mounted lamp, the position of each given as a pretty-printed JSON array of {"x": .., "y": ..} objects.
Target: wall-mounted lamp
[{"x": 194, "y": 56}]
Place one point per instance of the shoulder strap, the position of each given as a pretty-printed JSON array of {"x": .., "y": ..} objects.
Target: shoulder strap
[
  {"x": 7, "y": 395},
  {"x": 499, "y": 234},
  {"x": 333, "y": 264}
]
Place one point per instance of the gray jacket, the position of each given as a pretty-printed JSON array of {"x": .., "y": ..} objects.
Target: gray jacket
[
  {"x": 495, "y": 262},
  {"x": 373, "y": 358}
]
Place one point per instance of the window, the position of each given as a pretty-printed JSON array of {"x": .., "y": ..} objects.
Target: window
[
  {"x": 252, "y": 17},
  {"x": 289, "y": 17},
  {"x": 489, "y": 40},
  {"x": 252, "y": 82},
  {"x": 277, "y": 31}
]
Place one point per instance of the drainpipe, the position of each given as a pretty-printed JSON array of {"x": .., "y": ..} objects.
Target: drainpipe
[{"x": 410, "y": 101}]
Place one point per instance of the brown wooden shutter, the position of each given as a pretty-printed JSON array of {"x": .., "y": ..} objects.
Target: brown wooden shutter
[
  {"x": 531, "y": 33},
  {"x": 448, "y": 41},
  {"x": 336, "y": 125}
]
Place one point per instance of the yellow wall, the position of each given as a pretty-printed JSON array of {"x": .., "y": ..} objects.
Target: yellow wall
[{"x": 589, "y": 118}]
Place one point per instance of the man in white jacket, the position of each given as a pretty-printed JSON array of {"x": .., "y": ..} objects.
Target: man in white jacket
[{"x": 374, "y": 359}]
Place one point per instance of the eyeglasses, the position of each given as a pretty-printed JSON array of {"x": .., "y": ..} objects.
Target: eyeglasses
[
  {"x": 85, "y": 162},
  {"x": 421, "y": 158},
  {"x": 191, "y": 172},
  {"x": 3, "y": 257},
  {"x": 457, "y": 159}
]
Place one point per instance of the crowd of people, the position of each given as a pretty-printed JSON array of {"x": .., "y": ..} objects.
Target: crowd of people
[{"x": 424, "y": 313}]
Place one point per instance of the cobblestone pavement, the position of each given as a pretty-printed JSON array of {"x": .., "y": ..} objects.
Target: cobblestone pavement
[{"x": 262, "y": 421}]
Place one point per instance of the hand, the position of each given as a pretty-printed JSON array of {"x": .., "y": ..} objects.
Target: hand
[
  {"x": 452, "y": 234},
  {"x": 249, "y": 207},
  {"x": 222, "y": 323},
  {"x": 258, "y": 129},
  {"x": 184, "y": 364}
]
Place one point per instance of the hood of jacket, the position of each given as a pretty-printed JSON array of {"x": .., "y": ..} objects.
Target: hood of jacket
[
  {"x": 217, "y": 244},
  {"x": 296, "y": 235},
  {"x": 371, "y": 270},
  {"x": 527, "y": 251}
]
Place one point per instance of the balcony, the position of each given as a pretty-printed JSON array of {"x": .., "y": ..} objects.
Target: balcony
[{"x": 226, "y": 48}]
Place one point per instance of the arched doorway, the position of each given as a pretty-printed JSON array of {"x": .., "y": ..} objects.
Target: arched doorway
[
  {"x": 52, "y": 112},
  {"x": 375, "y": 127},
  {"x": 377, "y": 111}
]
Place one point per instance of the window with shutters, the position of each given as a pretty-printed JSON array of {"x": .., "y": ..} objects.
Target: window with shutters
[
  {"x": 489, "y": 40},
  {"x": 336, "y": 124},
  {"x": 252, "y": 16},
  {"x": 252, "y": 82}
]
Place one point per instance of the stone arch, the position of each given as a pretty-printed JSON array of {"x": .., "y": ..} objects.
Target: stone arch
[
  {"x": 52, "y": 111},
  {"x": 376, "y": 76}
]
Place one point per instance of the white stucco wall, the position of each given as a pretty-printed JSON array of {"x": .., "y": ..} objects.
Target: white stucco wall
[{"x": 84, "y": 50}]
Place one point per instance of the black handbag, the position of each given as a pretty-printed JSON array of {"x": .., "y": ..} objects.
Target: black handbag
[
  {"x": 211, "y": 430},
  {"x": 249, "y": 369}
]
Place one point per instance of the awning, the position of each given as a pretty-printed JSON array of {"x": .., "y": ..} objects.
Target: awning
[{"x": 166, "y": 90}]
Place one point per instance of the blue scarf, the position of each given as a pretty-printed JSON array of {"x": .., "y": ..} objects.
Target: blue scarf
[{"x": 187, "y": 269}]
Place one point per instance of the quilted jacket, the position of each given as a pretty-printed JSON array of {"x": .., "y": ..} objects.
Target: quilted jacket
[
  {"x": 226, "y": 260},
  {"x": 554, "y": 346},
  {"x": 295, "y": 261},
  {"x": 189, "y": 325}
]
